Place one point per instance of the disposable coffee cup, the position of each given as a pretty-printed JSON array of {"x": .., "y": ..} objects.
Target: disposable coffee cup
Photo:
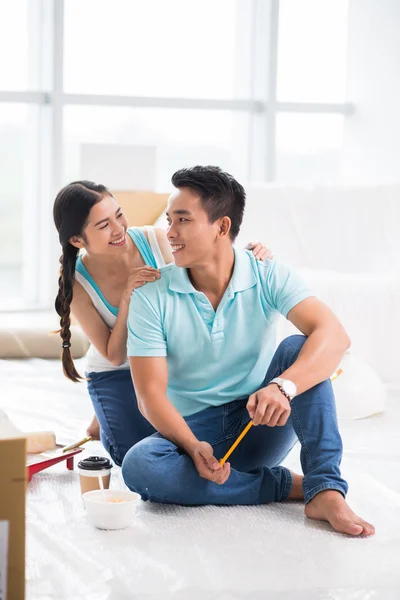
[{"x": 91, "y": 470}]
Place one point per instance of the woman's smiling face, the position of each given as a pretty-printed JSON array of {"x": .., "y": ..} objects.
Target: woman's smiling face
[{"x": 105, "y": 231}]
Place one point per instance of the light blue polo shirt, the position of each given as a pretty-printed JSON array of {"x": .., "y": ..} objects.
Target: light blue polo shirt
[{"x": 213, "y": 357}]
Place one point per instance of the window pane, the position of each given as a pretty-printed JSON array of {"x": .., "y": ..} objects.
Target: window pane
[
  {"x": 179, "y": 138},
  {"x": 19, "y": 44},
  {"x": 156, "y": 48},
  {"x": 312, "y": 50},
  {"x": 308, "y": 148},
  {"x": 18, "y": 170}
]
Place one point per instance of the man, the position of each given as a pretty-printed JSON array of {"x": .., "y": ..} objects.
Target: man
[{"x": 201, "y": 347}]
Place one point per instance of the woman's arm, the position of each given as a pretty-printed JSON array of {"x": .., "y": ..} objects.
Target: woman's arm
[
  {"x": 164, "y": 244},
  {"x": 110, "y": 343}
]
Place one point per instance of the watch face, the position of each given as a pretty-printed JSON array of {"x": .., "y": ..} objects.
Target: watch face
[{"x": 289, "y": 387}]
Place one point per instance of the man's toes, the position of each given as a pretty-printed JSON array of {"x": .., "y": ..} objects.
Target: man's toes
[
  {"x": 344, "y": 524},
  {"x": 368, "y": 529},
  {"x": 355, "y": 527},
  {"x": 352, "y": 528}
]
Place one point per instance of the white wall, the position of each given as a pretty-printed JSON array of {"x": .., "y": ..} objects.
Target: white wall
[{"x": 371, "y": 150}]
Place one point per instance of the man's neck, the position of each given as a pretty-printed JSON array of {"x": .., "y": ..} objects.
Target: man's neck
[{"x": 213, "y": 277}]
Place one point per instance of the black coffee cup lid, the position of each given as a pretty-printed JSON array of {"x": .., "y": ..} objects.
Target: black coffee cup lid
[{"x": 94, "y": 463}]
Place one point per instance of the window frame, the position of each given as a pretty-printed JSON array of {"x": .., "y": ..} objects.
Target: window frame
[{"x": 41, "y": 245}]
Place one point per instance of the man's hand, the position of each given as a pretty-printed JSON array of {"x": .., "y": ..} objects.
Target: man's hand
[
  {"x": 269, "y": 407},
  {"x": 207, "y": 465}
]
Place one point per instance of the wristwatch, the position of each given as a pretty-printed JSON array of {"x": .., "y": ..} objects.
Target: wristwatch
[{"x": 287, "y": 387}]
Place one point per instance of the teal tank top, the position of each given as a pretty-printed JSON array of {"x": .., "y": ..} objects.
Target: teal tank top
[{"x": 141, "y": 243}]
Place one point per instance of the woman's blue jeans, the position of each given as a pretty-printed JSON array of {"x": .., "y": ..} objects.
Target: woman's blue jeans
[
  {"x": 160, "y": 471},
  {"x": 114, "y": 401}
]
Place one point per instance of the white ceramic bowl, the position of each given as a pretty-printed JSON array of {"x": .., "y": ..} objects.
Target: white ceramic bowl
[{"x": 104, "y": 514}]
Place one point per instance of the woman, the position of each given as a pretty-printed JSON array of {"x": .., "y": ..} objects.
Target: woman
[{"x": 96, "y": 287}]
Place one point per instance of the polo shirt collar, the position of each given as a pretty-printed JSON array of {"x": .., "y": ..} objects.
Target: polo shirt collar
[
  {"x": 242, "y": 279},
  {"x": 180, "y": 281}
]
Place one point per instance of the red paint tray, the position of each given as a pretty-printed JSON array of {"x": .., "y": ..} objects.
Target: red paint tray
[{"x": 44, "y": 460}]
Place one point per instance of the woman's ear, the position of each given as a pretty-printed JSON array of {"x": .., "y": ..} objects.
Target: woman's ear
[{"x": 76, "y": 241}]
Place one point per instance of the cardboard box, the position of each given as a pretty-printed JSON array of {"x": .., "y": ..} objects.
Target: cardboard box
[
  {"x": 141, "y": 208},
  {"x": 12, "y": 518}
]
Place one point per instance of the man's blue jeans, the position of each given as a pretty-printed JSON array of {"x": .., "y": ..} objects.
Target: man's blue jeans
[{"x": 159, "y": 471}]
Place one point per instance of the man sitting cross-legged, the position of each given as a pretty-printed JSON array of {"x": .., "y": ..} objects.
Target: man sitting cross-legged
[{"x": 201, "y": 342}]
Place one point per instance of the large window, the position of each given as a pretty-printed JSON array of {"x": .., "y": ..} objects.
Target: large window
[
  {"x": 180, "y": 137},
  {"x": 19, "y": 47},
  {"x": 311, "y": 69},
  {"x": 312, "y": 44},
  {"x": 157, "y": 48},
  {"x": 19, "y": 150},
  {"x": 308, "y": 147},
  {"x": 256, "y": 86}
]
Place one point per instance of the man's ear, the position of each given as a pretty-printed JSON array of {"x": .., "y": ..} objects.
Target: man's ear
[
  {"x": 76, "y": 241},
  {"x": 224, "y": 227}
]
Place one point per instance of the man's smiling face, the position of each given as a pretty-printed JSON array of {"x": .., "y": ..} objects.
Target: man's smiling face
[{"x": 191, "y": 235}]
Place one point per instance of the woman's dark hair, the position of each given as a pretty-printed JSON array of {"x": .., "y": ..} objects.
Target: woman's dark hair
[
  {"x": 220, "y": 194},
  {"x": 71, "y": 212}
]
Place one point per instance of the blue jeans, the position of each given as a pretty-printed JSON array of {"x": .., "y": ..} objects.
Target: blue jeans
[
  {"x": 114, "y": 402},
  {"x": 160, "y": 471}
]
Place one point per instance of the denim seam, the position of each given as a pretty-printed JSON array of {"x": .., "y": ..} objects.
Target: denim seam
[
  {"x": 299, "y": 434},
  {"x": 309, "y": 494},
  {"x": 293, "y": 348},
  {"x": 226, "y": 437},
  {"x": 288, "y": 485},
  {"x": 281, "y": 369},
  {"x": 278, "y": 371},
  {"x": 280, "y": 461}
]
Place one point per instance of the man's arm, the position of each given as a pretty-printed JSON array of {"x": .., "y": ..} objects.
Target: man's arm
[
  {"x": 150, "y": 378},
  {"x": 326, "y": 343},
  {"x": 324, "y": 348},
  {"x": 327, "y": 340}
]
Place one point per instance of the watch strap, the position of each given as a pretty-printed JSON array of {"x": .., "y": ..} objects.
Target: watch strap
[
  {"x": 279, "y": 381},
  {"x": 282, "y": 390}
]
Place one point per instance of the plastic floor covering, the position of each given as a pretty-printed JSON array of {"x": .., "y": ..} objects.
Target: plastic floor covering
[{"x": 206, "y": 553}]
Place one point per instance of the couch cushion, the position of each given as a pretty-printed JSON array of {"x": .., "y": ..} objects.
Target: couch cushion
[
  {"x": 367, "y": 305},
  {"x": 353, "y": 229},
  {"x": 38, "y": 342}
]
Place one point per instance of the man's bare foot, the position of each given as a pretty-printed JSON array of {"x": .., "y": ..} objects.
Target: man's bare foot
[
  {"x": 94, "y": 429},
  {"x": 296, "y": 493},
  {"x": 330, "y": 506}
]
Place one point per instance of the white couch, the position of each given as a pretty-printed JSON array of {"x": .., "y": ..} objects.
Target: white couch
[{"x": 345, "y": 242}]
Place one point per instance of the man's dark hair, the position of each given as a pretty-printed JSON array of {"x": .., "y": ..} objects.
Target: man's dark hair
[{"x": 220, "y": 194}]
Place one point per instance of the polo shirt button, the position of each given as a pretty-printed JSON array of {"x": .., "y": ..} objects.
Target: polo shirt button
[{"x": 218, "y": 335}]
